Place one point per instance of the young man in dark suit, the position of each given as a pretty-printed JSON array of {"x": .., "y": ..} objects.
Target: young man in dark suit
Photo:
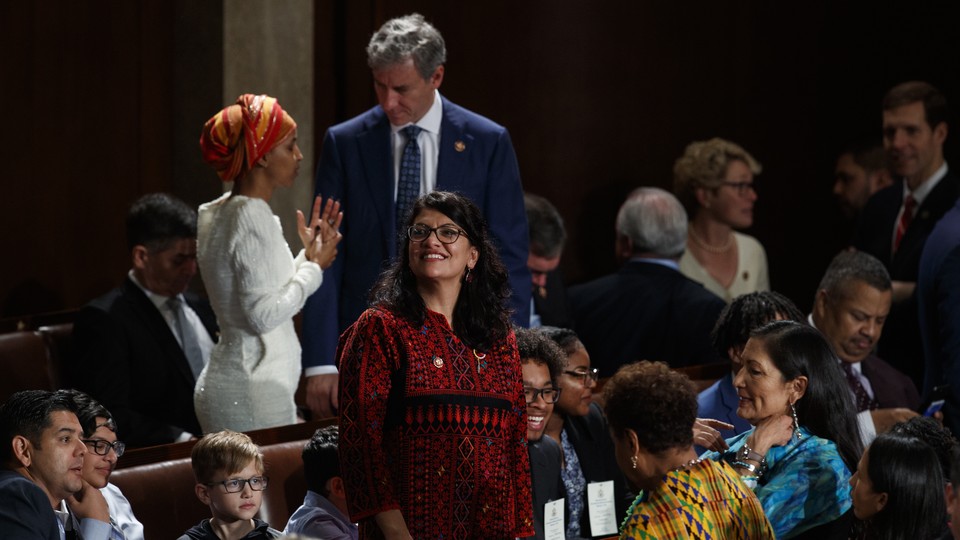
[
  {"x": 897, "y": 220},
  {"x": 139, "y": 348}
]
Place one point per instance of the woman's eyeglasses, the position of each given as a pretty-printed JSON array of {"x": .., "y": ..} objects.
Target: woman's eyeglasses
[
  {"x": 550, "y": 394},
  {"x": 446, "y": 234},
  {"x": 102, "y": 447},
  {"x": 740, "y": 187},
  {"x": 585, "y": 375},
  {"x": 235, "y": 485}
]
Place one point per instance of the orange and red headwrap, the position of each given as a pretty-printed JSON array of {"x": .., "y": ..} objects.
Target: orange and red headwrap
[{"x": 258, "y": 120}]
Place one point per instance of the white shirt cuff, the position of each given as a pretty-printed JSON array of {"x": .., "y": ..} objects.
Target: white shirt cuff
[
  {"x": 868, "y": 432},
  {"x": 320, "y": 370}
]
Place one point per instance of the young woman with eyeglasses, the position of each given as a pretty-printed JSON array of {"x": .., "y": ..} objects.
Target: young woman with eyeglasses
[{"x": 580, "y": 427}]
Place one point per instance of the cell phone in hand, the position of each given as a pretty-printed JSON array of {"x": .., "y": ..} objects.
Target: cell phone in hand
[{"x": 933, "y": 407}]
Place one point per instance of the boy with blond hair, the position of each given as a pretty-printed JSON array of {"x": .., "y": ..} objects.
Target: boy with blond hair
[{"x": 229, "y": 471}]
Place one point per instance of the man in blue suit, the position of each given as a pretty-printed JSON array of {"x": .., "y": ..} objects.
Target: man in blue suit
[{"x": 413, "y": 142}]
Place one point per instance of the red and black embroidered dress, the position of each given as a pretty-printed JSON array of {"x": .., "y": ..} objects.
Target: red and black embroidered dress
[{"x": 432, "y": 428}]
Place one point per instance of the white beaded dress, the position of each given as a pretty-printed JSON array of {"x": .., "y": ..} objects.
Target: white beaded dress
[{"x": 256, "y": 287}]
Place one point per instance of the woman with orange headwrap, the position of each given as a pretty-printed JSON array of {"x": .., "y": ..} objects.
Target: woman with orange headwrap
[{"x": 254, "y": 283}]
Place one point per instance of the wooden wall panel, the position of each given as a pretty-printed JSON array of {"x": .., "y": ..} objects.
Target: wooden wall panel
[
  {"x": 104, "y": 102},
  {"x": 602, "y": 97}
]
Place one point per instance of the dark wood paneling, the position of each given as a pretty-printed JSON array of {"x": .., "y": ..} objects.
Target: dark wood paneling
[
  {"x": 602, "y": 97},
  {"x": 104, "y": 101}
]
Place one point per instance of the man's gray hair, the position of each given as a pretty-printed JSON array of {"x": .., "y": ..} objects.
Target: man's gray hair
[
  {"x": 406, "y": 37},
  {"x": 849, "y": 266},
  {"x": 655, "y": 222}
]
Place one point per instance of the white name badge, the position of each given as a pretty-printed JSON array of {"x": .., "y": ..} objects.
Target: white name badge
[
  {"x": 603, "y": 513},
  {"x": 553, "y": 528}
]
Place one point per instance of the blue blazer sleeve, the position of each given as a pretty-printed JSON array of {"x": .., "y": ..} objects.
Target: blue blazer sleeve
[
  {"x": 477, "y": 160},
  {"x": 321, "y": 312}
]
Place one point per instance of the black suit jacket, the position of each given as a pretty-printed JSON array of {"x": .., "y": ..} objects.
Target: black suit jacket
[
  {"x": 891, "y": 387},
  {"x": 553, "y": 306},
  {"x": 128, "y": 359},
  {"x": 645, "y": 311},
  {"x": 545, "y": 461},
  {"x": 591, "y": 440},
  {"x": 900, "y": 343},
  {"x": 25, "y": 510}
]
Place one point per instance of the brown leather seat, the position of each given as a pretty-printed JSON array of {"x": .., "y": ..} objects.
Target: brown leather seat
[
  {"x": 59, "y": 340},
  {"x": 25, "y": 364},
  {"x": 163, "y": 499}
]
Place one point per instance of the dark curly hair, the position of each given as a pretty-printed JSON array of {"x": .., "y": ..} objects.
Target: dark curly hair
[
  {"x": 657, "y": 403},
  {"x": 564, "y": 337},
  {"x": 480, "y": 316},
  {"x": 931, "y": 432},
  {"x": 826, "y": 408},
  {"x": 748, "y": 312},
  {"x": 88, "y": 409},
  {"x": 535, "y": 346},
  {"x": 321, "y": 460}
]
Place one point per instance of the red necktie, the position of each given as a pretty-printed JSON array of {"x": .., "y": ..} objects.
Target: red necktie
[
  {"x": 863, "y": 399},
  {"x": 909, "y": 203}
]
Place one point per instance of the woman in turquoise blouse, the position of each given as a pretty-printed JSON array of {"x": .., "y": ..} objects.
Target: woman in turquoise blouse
[{"x": 799, "y": 455}]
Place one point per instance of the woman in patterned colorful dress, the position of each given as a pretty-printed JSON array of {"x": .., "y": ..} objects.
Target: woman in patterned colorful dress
[
  {"x": 805, "y": 441},
  {"x": 651, "y": 410},
  {"x": 432, "y": 411}
]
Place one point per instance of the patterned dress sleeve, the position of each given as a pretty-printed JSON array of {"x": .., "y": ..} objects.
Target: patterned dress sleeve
[
  {"x": 368, "y": 355},
  {"x": 269, "y": 299},
  {"x": 521, "y": 456},
  {"x": 808, "y": 487}
]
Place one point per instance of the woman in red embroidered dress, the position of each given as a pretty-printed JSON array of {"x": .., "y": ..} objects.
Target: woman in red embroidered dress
[{"x": 432, "y": 414}]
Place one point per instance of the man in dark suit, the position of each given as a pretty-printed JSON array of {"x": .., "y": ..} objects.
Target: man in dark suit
[
  {"x": 140, "y": 347},
  {"x": 377, "y": 163},
  {"x": 547, "y": 236},
  {"x": 850, "y": 308},
  {"x": 938, "y": 294},
  {"x": 648, "y": 310},
  {"x": 898, "y": 219},
  {"x": 41, "y": 457}
]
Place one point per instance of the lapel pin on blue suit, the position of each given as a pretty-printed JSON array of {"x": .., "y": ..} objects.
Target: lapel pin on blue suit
[{"x": 459, "y": 146}]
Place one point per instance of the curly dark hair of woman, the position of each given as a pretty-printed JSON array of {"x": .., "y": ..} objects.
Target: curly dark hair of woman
[
  {"x": 931, "y": 432},
  {"x": 564, "y": 337},
  {"x": 657, "y": 403},
  {"x": 827, "y": 408},
  {"x": 480, "y": 316},
  {"x": 907, "y": 470},
  {"x": 748, "y": 312}
]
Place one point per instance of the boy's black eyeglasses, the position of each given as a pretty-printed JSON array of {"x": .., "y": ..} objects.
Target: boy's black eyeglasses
[
  {"x": 550, "y": 394},
  {"x": 235, "y": 485}
]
